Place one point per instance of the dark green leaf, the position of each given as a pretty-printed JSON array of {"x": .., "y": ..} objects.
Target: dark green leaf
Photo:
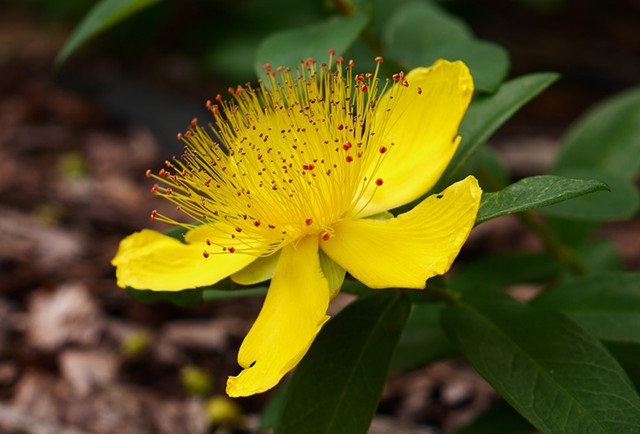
[
  {"x": 103, "y": 15},
  {"x": 534, "y": 192},
  {"x": 423, "y": 341},
  {"x": 622, "y": 201},
  {"x": 487, "y": 113},
  {"x": 271, "y": 413},
  {"x": 607, "y": 304},
  {"x": 607, "y": 138},
  {"x": 290, "y": 47},
  {"x": 501, "y": 418},
  {"x": 416, "y": 28},
  {"x": 184, "y": 298},
  {"x": 501, "y": 271},
  {"x": 547, "y": 367},
  {"x": 599, "y": 255},
  {"x": 336, "y": 387},
  {"x": 488, "y": 63}
]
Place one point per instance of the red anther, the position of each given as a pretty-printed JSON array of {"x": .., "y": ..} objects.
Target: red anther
[
  {"x": 218, "y": 97},
  {"x": 326, "y": 236},
  {"x": 179, "y": 136},
  {"x": 383, "y": 149},
  {"x": 340, "y": 127},
  {"x": 379, "y": 59},
  {"x": 148, "y": 173},
  {"x": 271, "y": 73},
  {"x": 339, "y": 60},
  {"x": 379, "y": 182},
  {"x": 166, "y": 174},
  {"x": 215, "y": 110},
  {"x": 232, "y": 249},
  {"x": 368, "y": 75},
  {"x": 188, "y": 134},
  {"x": 349, "y": 158},
  {"x": 401, "y": 74},
  {"x": 360, "y": 78},
  {"x": 161, "y": 172},
  {"x": 308, "y": 221},
  {"x": 205, "y": 254},
  {"x": 169, "y": 191},
  {"x": 256, "y": 223},
  {"x": 395, "y": 77},
  {"x": 239, "y": 90},
  {"x": 208, "y": 242},
  {"x": 332, "y": 52},
  {"x": 360, "y": 154},
  {"x": 272, "y": 227},
  {"x": 153, "y": 215},
  {"x": 167, "y": 163},
  {"x": 175, "y": 178},
  {"x": 194, "y": 122},
  {"x": 274, "y": 188},
  {"x": 308, "y": 167},
  {"x": 351, "y": 63},
  {"x": 405, "y": 83},
  {"x": 347, "y": 146},
  {"x": 280, "y": 68},
  {"x": 419, "y": 91},
  {"x": 364, "y": 88},
  {"x": 178, "y": 208},
  {"x": 231, "y": 90},
  {"x": 267, "y": 67},
  {"x": 154, "y": 189},
  {"x": 208, "y": 104},
  {"x": 238, "y": 229}
]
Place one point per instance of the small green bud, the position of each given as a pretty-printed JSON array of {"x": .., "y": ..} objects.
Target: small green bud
[
  {"x": 223, "y": 411},
  {"x": 135, "y": 344}
]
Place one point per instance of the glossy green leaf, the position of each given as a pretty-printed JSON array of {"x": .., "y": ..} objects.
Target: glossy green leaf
[
  {"x": 423, "y": 341},
  {"x": 607, "y": 138},
  {"x": 622, "y": 201},
  {"x": 487, "y": 113},
  {"x": 501, "y": 271},
  {"x": 337, "y": 386},
  {"x": 290, "y": 47},
  {"x": 102, "y": 16},
  {"x": 416, "y": 28},
  {"x": 556, "y": 374},
  {"x": 488, "y": 62},
  {"x": 607, "y": 304},
  {"x": 534, "y": 192}
]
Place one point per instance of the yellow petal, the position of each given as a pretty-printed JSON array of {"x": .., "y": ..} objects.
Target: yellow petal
[
  {"x": 407, "y": 250},
  {"x": 423, "y": 127},
  {"x": 151, "y": 260},
  {"x": 260, "y": 270},
  {"x": 292, "y": 314}
]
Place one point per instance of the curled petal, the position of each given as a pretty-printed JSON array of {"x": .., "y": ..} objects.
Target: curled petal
[
  {"x": 292, "y": 314},
  {"x": 407, "y": 250}
]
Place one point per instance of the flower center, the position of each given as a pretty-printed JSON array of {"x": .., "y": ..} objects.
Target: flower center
[{"x": 290, "y": 158}]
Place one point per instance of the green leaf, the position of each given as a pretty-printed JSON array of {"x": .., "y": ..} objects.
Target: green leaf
[
  {"x": 290, "y": 47},
  {"x": 488, "y": 62},
  {"x": 501, "y": 271},
  {"x": 487, "y": 113},
  {"x": 184, "y": 298},
  {"x": 606, "y": 304},
  {"x": 225, "y": 294},
  {"x": 103, "y": 15},
  {"x": 547, "y": 367},
  {"x": 501, "y": 418},
  {"x": 423, "y": 341},
  {"x": 416, "y": 28},
  {"x": 337, "y": 386},
  {"x": 534, "y": 192},
  {"x": 606, "y": 138},
  {"x": 622, "y": 201}
]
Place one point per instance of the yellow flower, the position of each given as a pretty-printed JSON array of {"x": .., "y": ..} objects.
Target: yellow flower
[{"x": 295, "y": 188}]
